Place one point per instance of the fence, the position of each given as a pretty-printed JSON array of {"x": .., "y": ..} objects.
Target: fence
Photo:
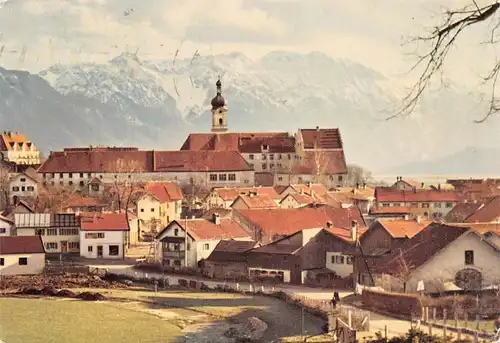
[{"x": 61, "y": 267}]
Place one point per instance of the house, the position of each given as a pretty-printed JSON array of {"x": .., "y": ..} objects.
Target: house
[
  {"x": 178, "y": 250},
  {"x": 6, "y": 226},
  {"x": 160, "y": 204},
  {"x": 59, "y": 231},
  {"x": 489, "y": 212},
  {"x": 16, "y": 148},
  {"x": 20, "y": 207},
  {"x": 406, "y": 184},
  {"x": 253, "y": 201},
  {"x": 426, "y": 203},
  {"x": 438, "y": 256},
  {"x": 21, "y": 255},
  {"x": 359, "y": 196},
  {"x": 104, "y": 235},
  {"x": 387, "y": 213},
  {"x": 267, "y": 226},
  {"x": 228, "y": 260},
  {"x": 78, "y": 167},
  {"x": 296, "y": 200},
  {"x": 384, "y": 236},
  {"x": 81, "y": 204},
  {"x": 24, "y": 185},
  {"x": 310, "y": 188},
  {"x": 462, "y": 211},
  {"x": 224, "y": 197}
]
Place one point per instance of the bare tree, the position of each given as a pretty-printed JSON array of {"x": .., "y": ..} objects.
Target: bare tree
[
  {"x": 441, "y": 39},
  {"x": 53, "y": 199},
  {"x": 4, "y": 186},
  {"x": 357, "y": 175}
]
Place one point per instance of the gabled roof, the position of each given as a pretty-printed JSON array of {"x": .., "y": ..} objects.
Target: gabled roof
[
  {"x": 11, "y": 140},
  {"x": 230, "y": 194},
  {"x": 193, "y": 161},
  {"x": 257, "y": 202},
  {"x": 490, "y": 212},
  {"x": 203, "y": 229},
  {"x": 302, "y": 199},
  {"x": 164, "y": 191},
  {"x": 481, "y": 228},
  {"x": 310, "y": 188},
  {"x": 345, "y": 233},
  {"x": 410, "y": 183},
  {"x": 105, "y": 222},
  {"x": 231, "y": 251},
  {"x": 11, "y": 245},
  {"x": 403, "y": 228},
  {"x": 7, "y": 220},
  {"x": 462, "y": 211},
  {"x": 321, "y": 138},
  {"x": 289, "y": 221},
  {"x": 31, "y": 174},
  {"x": 387, "y": 194},
  {"x": 83, "y": 201}
]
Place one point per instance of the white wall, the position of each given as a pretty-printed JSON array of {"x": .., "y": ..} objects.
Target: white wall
[
  {"x": 22, "y": 186},
  {"x": 5, "y": 228},
  {"x": 58, "y": 239},
  {"x": 201, "y": 253},
  {"x": 110, "y": 238},
  {"x": 36, "y": 264},
  {"x": 342, "y": 269},
  {"x": 445, "y": 264}
]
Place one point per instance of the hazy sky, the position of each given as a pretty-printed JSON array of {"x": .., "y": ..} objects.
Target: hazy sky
[{"x": 371, "y": 32}]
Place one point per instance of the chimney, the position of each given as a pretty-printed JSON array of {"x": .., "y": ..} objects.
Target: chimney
[
  {"x": 364, "y": 185},
  {"x": 329, "y": 224},
  {"x": 216, "y": 218},
  {"x": 357, "y": 185},
  {"x": 317, "y": 128},
  {"x": 418, "y": 219},
  {"x": 439, "y": 186},
  {"x": 422, "y": 185},
  {"x": 354, "y": 231},
  {"x": 193, "y": 217}
]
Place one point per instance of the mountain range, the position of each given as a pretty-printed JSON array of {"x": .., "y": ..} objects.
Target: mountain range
[{"x": 155, "y": 104}]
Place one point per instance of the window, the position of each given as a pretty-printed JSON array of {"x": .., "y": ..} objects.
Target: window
[
  {"x": 70, "y": 183},
  {"x": 142, "y": 210},
  {"x": 23, "y": 179},
  {"x": 68, "y": 232},
  {"x": 449, "y": 204},
  {"x": 280, "y": 178},
  {"x": 61, "y": 175},
  {"x": 90, "y": 248},
  {"x": 339, "y": 259},
  {"x": 264, "y": 156},
  {"x": 23, "y": 261},
  {"x": 271, "y": 157},
  {"x": 51, "y": 245},
  {"x": 81, "y": 175},
  {"x": 40, "y": 232},
  {"x": 469, "y": 257},
  {"x": 116, "y": 176},
  {"x": 341, "y": 178},
  {"x": 95, "y": 188},
  {"x": 213, "y": 177},
  {"x": 167, "y": 262},
  {"x": 100, "y": 176},
  {"x": 52, "y": 183},
  {"x": 89, "y": 175},
  {"x": 425, "y": 205},
  {"x": 44, "y": 176},
  {"x": 279, "y": 156},
  {"x": 349, "y": 260},
  {"x": 74, "y": 245},
  {"x": 176, "y": 232},
  {"x": 189, "y": 246},
  {"x": 232, "y": 177},
  {"x": 177, "y": 263},
  {"x": 23, "y": 189},
  {"x": 333, "y": 259},
  {"x": 246, "y": 181},
  {"x": 3, "y": 230},
  {"x": 206, "y": 246},
  {"x": 289, "y": 156},
  {"x": 15, "y": 189},
  {"x": 94, "y": 235},
  {"x": 61, "y": 183},
  {"x": 114, "y": 250},
  {"x": 414, "y": 205},
  {"x": 70, "y": 175},
  {"x": 222, "y": 177},
  {"x": 251, "y": 156},
  {"x": 152, "y": 209},
  {"x": 271, "y": 166},
  {"x": 30, "y": 188},
  {"x": 265, "y": 147},
  {"x": 264, "y": 166},
  {"x": 51, "y": 232},
  {"x": 2, "y": 261}
]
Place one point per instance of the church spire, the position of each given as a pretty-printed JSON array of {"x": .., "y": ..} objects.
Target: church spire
[{"x": 219, "y": 120}]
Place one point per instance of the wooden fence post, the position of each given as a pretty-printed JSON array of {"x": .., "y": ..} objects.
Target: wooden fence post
[
  {"x": 444, "y": 322},
  {"x": 477, "y": 322},
  {"x": 457, "y": 327},
  {"x": 386, "y": 332}
]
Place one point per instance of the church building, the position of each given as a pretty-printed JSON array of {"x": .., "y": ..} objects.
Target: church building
[{"x": 278, "y": 158}]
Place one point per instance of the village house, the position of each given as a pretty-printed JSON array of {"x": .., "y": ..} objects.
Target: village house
[
  {"x": 104, "y": 235},
  {"x": 253, "y": 201},
  {"x": 462, "y": 211},
  {"x": 228, "y": 260},
  {"x": 6, "y": 226},
  {"x": 385, "y": 236},
  {"x": 160, "y": 204},
  {"x": 360, "y": 196},
  {"x": 267, "y": 226},
  {"x": 296, "y": 200},
  {"x": 20, "y": 207},
  {"x": 24, "y": 185},
  {"x": 387, "y": 213},
  {"x": 179, "y": 251},
  {"x": 224, "y": 197},
  {"x": 82, "y": 204},
  {"x": 426, "y": 203},
  {"x": 21, "y": 255},
  {"x": 59, "y": 231},
  {"x": 78, "y": 167},
  {"x": 406, "y": 185},
  {"x": 313, "y": 189},
  {"x": 16, "y": 148},
  {"x": 435, "y": 259}
]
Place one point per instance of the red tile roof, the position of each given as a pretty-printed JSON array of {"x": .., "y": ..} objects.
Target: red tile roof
[
  {"x": 490, "y": 212},
  {"x": 345, "y": 233},
  {"x": 390, "y": 210},
  {"x": 410, "y": 183},
  {"x": 321, "y": 138},
  {"x": 10, "y": 245},
  {"x": 11, "y": 140},
  {"x": 302, "y": 199},
  {"x": 204, "y": 229},
  {"x": 404, "y": 228},
  {"x": 317, "y": 188},
  {"x": 480, "y": 228},
  {"x": 386, "y": 194},
  {"x": 105, "y": 222},
  {"x": 230, "y": 194},
  {"x": 190, "y": 161},
  {"x": 164, "y": 191},
  {"x": 264, "y": 179},
  {"x": 289, "y": 221},
  {"x": 462, "y": 211},
  {"x": 321, "y": 163},
  {"x": 83, "y": 201},
  {"x": 259, "y": 201}
]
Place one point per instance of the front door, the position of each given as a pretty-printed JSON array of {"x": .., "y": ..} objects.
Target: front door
[
  {"x": 99, "y": 251},
  {"x": 64, "y": 247}
]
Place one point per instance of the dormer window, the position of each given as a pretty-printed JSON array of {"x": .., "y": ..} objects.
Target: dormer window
[{"x": 265, "y": 147}]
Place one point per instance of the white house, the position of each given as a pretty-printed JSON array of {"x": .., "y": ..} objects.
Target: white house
[
  {"x": 24, "y": 185},
  {"x": 59, "y": 231},
  {"x": 202, "y": 237},
  {"x": 104, "y": 235},
  {"x": 21, "y": 255},
  {"x": 6, "y": 226}
]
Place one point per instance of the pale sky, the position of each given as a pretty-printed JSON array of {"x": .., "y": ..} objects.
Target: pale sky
[{"x": 370, "y": 32}]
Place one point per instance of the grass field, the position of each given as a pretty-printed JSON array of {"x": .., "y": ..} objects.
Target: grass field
[{"x": 74, "y": 321}]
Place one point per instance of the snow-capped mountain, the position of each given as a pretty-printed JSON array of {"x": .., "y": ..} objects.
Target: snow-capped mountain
[{"x": 157, "y": 103}]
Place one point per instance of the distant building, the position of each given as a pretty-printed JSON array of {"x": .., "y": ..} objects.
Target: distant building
[
  {"x": 21, "y": 255},
  {"x": 224, "y": 197},
  {"x": 16, "y": 148},
  {"x": 24, "y": 185},
  {"x": 104, "y": 235}
]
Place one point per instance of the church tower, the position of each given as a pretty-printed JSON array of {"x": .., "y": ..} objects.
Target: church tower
[{"x": 219, "y": 110}]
